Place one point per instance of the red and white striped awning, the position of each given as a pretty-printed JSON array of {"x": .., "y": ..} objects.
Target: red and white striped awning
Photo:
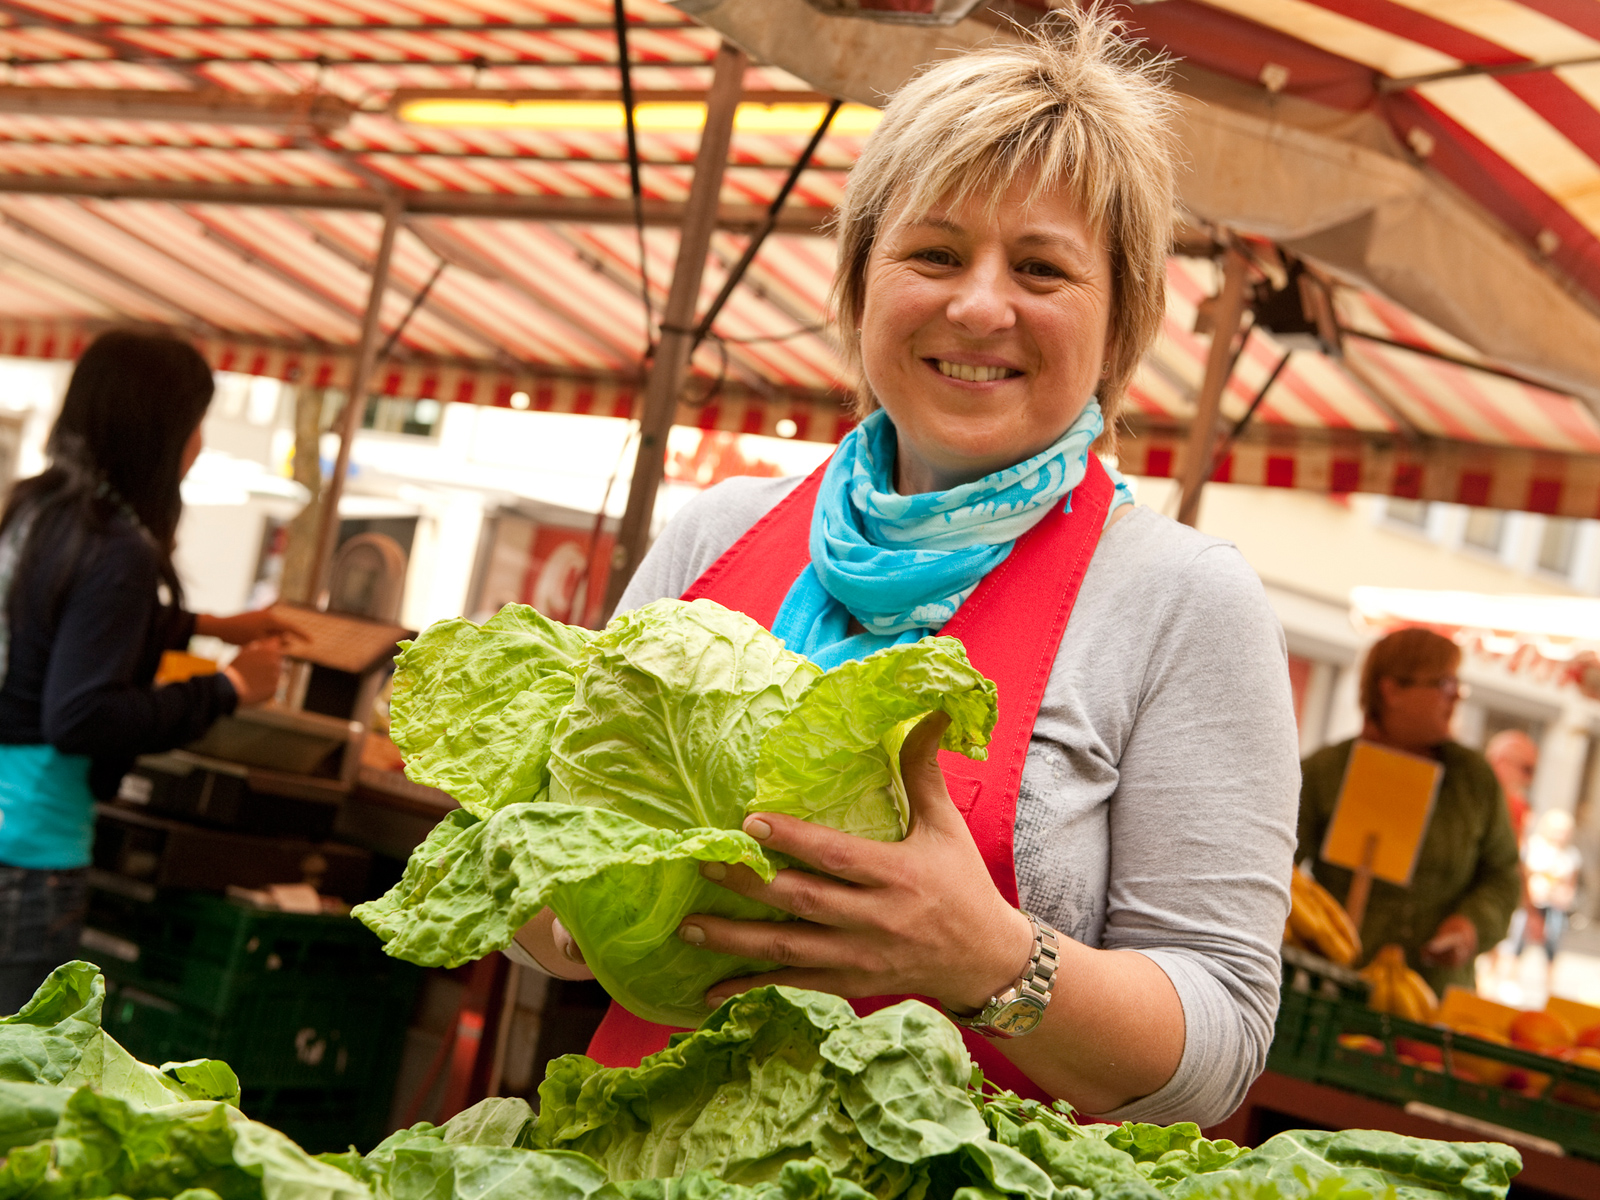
[{"x": 517, "y": 269}]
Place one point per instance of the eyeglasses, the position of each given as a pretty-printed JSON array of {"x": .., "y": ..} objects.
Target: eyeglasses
[{"x": 1448, "y": 684}]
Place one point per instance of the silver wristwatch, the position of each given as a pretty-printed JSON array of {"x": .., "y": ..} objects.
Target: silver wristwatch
[{"x": 1020, "y": 1008}]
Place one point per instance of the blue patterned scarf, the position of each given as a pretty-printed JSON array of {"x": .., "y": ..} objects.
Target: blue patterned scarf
[{"x": 902, "y": 565}]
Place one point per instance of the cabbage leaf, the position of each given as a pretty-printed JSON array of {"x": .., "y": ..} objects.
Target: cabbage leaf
[{"x": 597, "y": 771}]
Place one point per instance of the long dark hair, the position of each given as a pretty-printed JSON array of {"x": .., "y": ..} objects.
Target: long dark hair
[{"x": 116, "y": 447}]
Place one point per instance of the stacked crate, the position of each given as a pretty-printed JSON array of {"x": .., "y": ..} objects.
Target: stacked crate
[
  {"x": 308, "y": 1010},
  {"x": 1326, "y": 1034}
]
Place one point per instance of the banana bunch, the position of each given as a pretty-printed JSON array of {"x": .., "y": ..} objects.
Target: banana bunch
[
  {"x": 1397, "y": 989},
  {"x": 1318, "y": 924}
]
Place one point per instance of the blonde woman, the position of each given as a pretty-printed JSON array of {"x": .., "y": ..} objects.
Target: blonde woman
[{"x": 1101, "y": 903}]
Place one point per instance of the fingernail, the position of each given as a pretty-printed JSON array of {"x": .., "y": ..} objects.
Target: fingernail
[
  {"x": 692, "y": 934},
  {"x": 714, "y": 871},
  {"x": 758, "y": 829},
  {"x": 570, "y": 952},
  {"x": 711, "y": 1001}
]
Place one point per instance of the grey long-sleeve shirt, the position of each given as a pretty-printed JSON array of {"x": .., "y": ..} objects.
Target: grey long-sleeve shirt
[{"x": 1157, "y": 808}]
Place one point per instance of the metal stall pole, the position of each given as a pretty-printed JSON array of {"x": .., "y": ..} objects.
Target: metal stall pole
[
  {"x": 677, "y": 324},
  {"x": 1197, "y": 464},
  {"x": 356, "y": 403}
]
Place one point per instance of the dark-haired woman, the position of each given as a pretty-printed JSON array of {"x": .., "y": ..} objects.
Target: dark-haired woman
[{"x": 91, "y": 599}]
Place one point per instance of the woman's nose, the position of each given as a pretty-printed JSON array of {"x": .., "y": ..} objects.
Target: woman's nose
[{"x": 982, "y": 302}]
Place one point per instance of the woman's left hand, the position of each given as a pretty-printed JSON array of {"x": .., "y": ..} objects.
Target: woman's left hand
[
  {"x": 244, "y": 628},
  {"x": 877, "y": 918}
]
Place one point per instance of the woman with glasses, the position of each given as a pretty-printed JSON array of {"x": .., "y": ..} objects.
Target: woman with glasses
[{"x": 1467, "y": 883}]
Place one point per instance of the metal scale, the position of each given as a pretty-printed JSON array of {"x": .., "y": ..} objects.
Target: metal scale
[{"x": 253, "y": 801}]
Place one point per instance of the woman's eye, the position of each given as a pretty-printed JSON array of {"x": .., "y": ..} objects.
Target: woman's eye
[
  {"x": 1042, "y": 270},
  {"x": 936, "y": 257}
]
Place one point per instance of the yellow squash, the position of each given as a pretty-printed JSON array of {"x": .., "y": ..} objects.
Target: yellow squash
[
  {"x": 1397, "y": 989},
  {"x": 1317, "y": 922}
]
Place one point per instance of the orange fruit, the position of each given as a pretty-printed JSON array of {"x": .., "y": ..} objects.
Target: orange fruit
[
  {"x": 1589, "y": 1038},
  {"x": 1541, "y": 1032}
]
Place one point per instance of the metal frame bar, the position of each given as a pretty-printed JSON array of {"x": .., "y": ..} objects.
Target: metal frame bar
[
  {"x": 25, "y": 17},
  {"x": 355, "y": 401},
  {"x": 672, "y": 354},
  {"x": 28, "y": 18},
  {"x": 741, "y": 218},
  {"x": 702, "y": 329},
  {"x": 153, "y": 58},
  {"x": 1220, "y": 358}
]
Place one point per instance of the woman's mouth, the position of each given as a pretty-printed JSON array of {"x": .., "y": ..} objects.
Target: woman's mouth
[{"x": 971, "y": 373}]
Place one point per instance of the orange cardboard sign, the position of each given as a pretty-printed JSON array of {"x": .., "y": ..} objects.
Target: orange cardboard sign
[{"x": 1387, "y": 797}]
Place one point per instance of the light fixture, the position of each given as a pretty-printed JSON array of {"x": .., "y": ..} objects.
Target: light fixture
[
  {"x": 519, "y": 400},
  {"x": 785, "y": 428},
  {"x": 650, "y": 116}
]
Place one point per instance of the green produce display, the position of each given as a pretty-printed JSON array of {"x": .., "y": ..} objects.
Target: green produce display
[
  {"x": 780, "y": 1095},
  {"x": 596, "y": 771}
]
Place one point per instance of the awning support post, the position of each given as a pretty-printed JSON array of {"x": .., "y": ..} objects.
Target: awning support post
[
  {"x": 677, "y": 322},
  {"x": 356, "y": 402},
  {"x": 1229, "y": 313}
]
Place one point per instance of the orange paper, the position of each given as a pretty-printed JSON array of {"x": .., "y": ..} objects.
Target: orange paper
[
  {"x": 1463, "y": 1008},
  {"x": 1389, "y": 795},
  {"x": 1577, "y": 1017}
]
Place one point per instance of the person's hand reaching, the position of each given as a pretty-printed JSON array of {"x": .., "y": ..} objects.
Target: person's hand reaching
[
  {"x": 1453, "y": 944},
  {"x": 254, "y": 670},
  {"x": 243, "y": 628}
]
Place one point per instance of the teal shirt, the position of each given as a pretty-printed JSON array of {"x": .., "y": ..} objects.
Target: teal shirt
[{"x": 46, "y": 808}]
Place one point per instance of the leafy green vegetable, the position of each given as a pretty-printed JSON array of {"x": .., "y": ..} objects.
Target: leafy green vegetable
[
  {"x": 776, "y": 1076},
  {"x": 1362, "y": 1160},
  {"x": 598, "y": 771},
  {"x": 509, "y": 679},
  {"x": 781, "y": 1095},
  {"x": 56, "y": 1039}
]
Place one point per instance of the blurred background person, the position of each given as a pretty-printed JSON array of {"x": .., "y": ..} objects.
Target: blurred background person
[
  {"x": 91, "y": 600},
  {"x": 1467, "y": 881},
  {"x": 1551, "y": 864},
  {"x": 1514, "y": 756}
]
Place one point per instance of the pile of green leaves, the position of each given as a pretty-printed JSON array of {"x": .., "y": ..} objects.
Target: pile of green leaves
[
  {"x": 597, "y": 770},
  {"x": 788, "y": 1095},
  {"x": 80, "y": 1117},
  {"x": 780, "y": 1095}
]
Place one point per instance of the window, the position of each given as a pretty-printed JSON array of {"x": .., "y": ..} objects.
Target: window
[
  {"x": 1485, "y": 530},
  {"x": 389, "y": 415},
  {"x": 1412, "y": 514},
  {"x": 1558, "y": 546}
]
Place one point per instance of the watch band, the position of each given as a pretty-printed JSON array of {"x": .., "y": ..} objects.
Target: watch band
[{"x": 1019, "y": 1009}]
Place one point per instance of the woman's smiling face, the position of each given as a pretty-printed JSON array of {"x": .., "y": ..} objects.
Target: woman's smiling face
[{"x": 983, "y": 333}]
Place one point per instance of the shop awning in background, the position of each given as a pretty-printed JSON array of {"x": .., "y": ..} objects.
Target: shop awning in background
[
  {"x": 1553, "y": 637},
  {"x": 246, "y": 212}
]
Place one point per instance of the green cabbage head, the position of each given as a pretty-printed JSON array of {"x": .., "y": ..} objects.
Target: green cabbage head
[{"x": 596, "y": 771}]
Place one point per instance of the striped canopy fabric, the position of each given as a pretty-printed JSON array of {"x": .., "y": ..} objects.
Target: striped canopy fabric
[{"x": 246, "y": 212}]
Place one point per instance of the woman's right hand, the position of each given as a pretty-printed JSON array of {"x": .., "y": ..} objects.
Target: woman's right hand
[{"x": 254, "y": 670}]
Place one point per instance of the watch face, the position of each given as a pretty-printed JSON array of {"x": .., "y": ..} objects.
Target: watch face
[{"x": 1018, "y": 1017}]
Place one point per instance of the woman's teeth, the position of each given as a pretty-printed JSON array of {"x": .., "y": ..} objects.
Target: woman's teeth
[{"x": 972, "y": 374}]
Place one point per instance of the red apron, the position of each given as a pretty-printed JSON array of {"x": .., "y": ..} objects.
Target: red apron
[{"x": 1034, "y": 588}]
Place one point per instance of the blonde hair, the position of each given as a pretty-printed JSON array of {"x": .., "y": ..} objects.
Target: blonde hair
[{"x": 1073, "y": 104}]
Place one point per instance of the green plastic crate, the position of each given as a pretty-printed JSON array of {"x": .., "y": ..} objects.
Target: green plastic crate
[
  {"x": 314, "y": 1037},
  {"x": 1326, "y": 1034},
  {"x": 321, "y": 1120},
  {"x": 208, "y": 953}
]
